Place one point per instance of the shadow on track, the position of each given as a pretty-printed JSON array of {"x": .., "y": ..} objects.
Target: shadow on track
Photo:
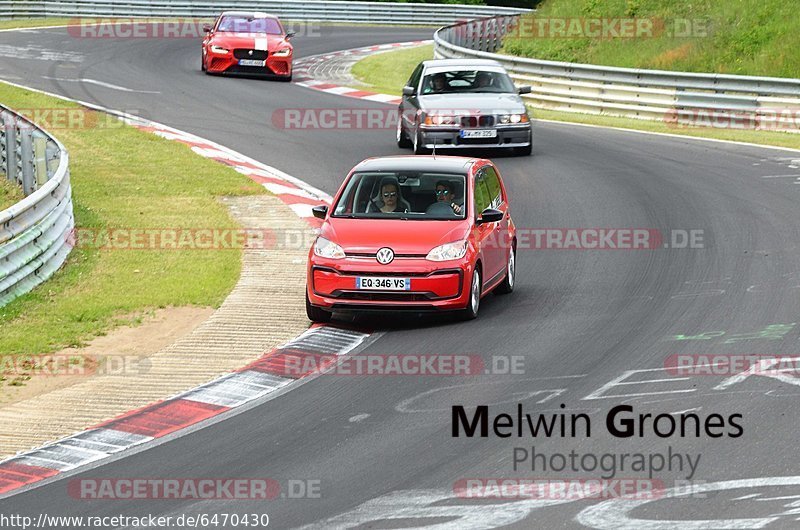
[{"x": 410, "y": 320}]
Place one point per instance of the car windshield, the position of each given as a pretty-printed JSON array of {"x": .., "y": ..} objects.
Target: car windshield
[
  {"x": 233, "y": 24},
  {"x": 409, "y": 195},
  {"x": 467, "y": 81}
]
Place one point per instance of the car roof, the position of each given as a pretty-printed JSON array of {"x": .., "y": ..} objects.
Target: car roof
[
  {"x": 460, "y": 62},
  {"x": 254, "y": 14},
  {"x": 447, "y": 164}
]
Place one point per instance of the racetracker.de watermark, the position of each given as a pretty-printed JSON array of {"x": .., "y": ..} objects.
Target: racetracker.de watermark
[
  {"x": 604, "y": 239},
  {"x": 61, "y": 118},
  {"x": 176, "y": 28},
  {"x": 604, "y": 28},
  {"x": 441, "y": 365},
  {"x": 780, "y": 119},
  {"x": 558, "y": 489},
  {"x": 352, "y": 118},
  {"x": 717, "y": 365},
  {"x": 207, "y": 488},
  {"x": 56, "y": 365},
  {"x": 183, "y": 238}
]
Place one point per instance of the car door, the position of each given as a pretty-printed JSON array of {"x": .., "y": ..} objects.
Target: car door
[
  {"x": 502, "y": 235},
  {"x": 486, "y": 233},
  {"x": 410, "y": 104}
]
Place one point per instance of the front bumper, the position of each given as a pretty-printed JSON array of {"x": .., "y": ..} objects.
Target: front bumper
[
  {"x": 229, "y": 65},
  {"x": 449, "y": 137},
  {"x": 435, "y": 286}
]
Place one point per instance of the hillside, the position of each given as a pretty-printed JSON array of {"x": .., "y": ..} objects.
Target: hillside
[{"x": 749, "y": 37}]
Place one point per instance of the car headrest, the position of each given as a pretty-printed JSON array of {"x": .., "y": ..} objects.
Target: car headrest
[{"x": 458, "y": 188}]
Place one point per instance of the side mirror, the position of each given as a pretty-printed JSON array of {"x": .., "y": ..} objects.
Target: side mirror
[
  {"x": 290, "y": 34},
  {"x": 320, "y": 212},
  {"x": 408, "y": 90},
  {"x": 206, "y": 28},
  {"x": 524, "y": 89},
  {"x": 490, "y": 215}
]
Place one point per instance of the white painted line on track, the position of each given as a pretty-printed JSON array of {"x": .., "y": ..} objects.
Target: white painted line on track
[
  {"x": 99, "y": 83},
  {"x": 280, "y": 189},
  {"x": 237, "y": 388},
  {"x": 302, "y": 210},
  {"x": 339, "y": 90},
  {"x": 695, "y": 409}
]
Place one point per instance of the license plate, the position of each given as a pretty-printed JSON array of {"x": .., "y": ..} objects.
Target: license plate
[
  {"x": 250, "y": 62},
  {"x": 383, "y": 284},
  {"x": 478, "y": 133}
]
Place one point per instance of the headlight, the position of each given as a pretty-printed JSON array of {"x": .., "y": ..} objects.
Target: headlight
[
  {"x": 327, "y": 249},
  {"x": 438, "y": 119},
  {"x": 219, "y": 49},
  {"x": 448, "y": 251},
  {"x": 513, "y": 118},
  {"x": 284, "y": 52}
]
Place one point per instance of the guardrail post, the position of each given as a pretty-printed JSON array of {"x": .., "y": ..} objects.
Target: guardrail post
[
  {"x": 39, "y": 158},
  {"x": 53, "y": 155},
  {"x": 3, "y": 156},
  {"x": 25, "y": 159},
  {"x": 10, "y": 147}
]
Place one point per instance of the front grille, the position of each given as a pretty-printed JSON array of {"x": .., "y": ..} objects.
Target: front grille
[
  {"x": 248, "y": 70},
  {"x": 258, "y": 55},
  {"x": 384, "y": 297},
  {"x": 363, "y": 308},
  {"x": 475, "y": 121}
]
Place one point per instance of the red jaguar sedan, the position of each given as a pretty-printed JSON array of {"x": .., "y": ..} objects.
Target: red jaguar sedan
[
  {"x": 413, "y": 233},
  {"x": 246, "y": 43}
]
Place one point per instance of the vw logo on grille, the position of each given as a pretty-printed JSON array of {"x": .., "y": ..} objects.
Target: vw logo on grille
[
  {"x": 250, "y": 52},
  {"x": 385, "y": 256}
]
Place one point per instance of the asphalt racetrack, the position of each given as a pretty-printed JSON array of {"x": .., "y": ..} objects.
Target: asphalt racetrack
[{"x": 380, "y": 448}]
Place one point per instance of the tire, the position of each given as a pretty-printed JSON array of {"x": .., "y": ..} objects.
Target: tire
[
  {"x": 317, "y": 314},
  {"x": 418, "y": 147},
  {"x": 525, "y": 151},
  {"x": 511, "y": 274},
  {"x": 402, "y": 138},
  {"x": 203, "y": 63},
  {"x": 474, "y": 303}
]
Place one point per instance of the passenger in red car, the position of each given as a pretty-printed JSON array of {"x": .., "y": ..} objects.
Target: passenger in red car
[{"x": 390, "y": 196}]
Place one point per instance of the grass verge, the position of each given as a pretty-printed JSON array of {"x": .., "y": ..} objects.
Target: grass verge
[
  {"x": 127, "y": 179},
  {"x": 750, "y": 37},
  {"x": 34, "y": 22},
  {"x": 387, "y": 73},
  {"x": 9, "y": 193}
]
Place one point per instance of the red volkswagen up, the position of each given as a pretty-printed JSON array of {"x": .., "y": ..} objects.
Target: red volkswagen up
[{"x": 413, "y": 233}]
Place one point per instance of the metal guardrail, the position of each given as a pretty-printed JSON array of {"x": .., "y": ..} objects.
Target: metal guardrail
[
  {"x": 35, "y": 232},
  {"x": 679, "y": 97},
  {"x": 330, "y": 11}
]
